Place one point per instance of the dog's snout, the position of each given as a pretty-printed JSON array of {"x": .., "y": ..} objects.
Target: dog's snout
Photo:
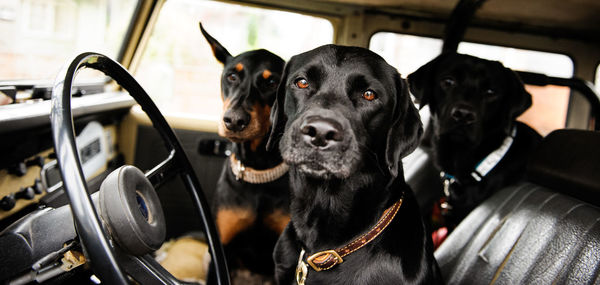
[
  {"x": 321, "y": 133},
  {"x": 463, "y": 115},
  {"x": 236, "y": 119}
]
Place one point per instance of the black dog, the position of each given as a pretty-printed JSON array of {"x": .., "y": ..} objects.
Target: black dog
[
  {"x": 252, "y": 195},
  {"x": 472, "y": 135},
  {"x": 344, "y": 119}
]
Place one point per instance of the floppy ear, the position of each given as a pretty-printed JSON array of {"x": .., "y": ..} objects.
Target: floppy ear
[
  {"x": 420, "y": 81},
  {"x": 406, "y": 129},
  {"x": 278, "y": 117},
  {"x": 219, "y": 51},
  {"x": 520, "y": 99}
]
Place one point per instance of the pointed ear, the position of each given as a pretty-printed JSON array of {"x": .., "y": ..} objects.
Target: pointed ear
[
  {"x": 278, "y": 117},
  {"x": 405, "y": 131},
  {"x": 520, "y": 99},
  {"x": 219, "y": 51},
  {"x": 421, "y": 81}
]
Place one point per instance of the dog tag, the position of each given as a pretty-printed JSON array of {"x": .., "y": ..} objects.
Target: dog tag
[
  {"x": 241, "y": 169},
  {"x": 301, "y": 270}
]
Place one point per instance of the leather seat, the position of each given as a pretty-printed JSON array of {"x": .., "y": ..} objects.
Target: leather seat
[{"x": 535, "y": 232}]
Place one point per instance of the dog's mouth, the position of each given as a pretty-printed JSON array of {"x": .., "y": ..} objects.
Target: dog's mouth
[
  {"x": 321, "y": 164},
  {"x": 314, "y": 169}
]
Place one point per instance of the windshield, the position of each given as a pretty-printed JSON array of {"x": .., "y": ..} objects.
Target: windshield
[{"x": 39, "y": 36}]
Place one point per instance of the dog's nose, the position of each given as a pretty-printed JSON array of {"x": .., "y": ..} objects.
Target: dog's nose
[
  {"x": 321, "y": 133},
  {"x": 236, "y": 119},
  {"x": 463, "y": 115}
]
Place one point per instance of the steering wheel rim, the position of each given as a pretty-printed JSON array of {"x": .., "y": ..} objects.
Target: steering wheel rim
[{"x": 96, "y": 242}]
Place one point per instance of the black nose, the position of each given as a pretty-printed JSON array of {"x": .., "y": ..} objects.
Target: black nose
[
  {"x": 236, "y": 119},
  {"x": 321, "y": 133},
  {"x": 463, "y": 115}
]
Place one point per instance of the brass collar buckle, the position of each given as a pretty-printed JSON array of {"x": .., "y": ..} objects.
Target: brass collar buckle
[{"x": 324, "y": 260}]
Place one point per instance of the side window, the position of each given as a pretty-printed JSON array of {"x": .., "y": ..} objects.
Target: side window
[
  {"x": 550, "y": 104},
  {"x": 178, "y": 68},
  {"x": 401, "y": 51}
]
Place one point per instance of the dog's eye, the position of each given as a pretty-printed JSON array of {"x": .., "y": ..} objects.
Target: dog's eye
[
  {"x": 490, "y": 92},
  {"x": 301, "y": 83},
  {"x": 232, "y": 77},
  {"x": 369, "y": 95},
  {"x": 448, "y": 82}
]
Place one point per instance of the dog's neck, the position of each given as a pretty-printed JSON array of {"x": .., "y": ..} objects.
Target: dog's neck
[
  {"x": 329, "y": 214},
  {"x": 459, "y": 159},
  {"x": 257, "y": 156}
]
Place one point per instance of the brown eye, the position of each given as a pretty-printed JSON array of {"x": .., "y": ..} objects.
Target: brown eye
[
  {"x": 302, "y": 83},
  {"x": 448, "y": 82},
  {"x": 232, "y": 77},
  {"x": 369, "y": 95}
]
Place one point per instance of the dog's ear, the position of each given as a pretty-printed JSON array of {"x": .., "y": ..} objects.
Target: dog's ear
[
  {"x": 406, "y": 129},
  {"x": 520, "y": 99},
  {"x": 278, "y": 117},
  {"x": 421, "y": 81},
  {"x": 219, "y": 51}
]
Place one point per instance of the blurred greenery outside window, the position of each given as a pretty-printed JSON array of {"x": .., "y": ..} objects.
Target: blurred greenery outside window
[
  {"x": 178, "y": 69},
  {"x": 550, "y": 103},
  {"x": 40, "y": 36}
]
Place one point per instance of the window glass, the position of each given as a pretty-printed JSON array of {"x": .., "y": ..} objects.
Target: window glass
[
  {"x": 550, "y": 103},
  {"x": 551, "y": 64},
  {"x": 405, "y": 52},
  {"x": 40, "y": 36},
  {"x": 178, "y": 68}
]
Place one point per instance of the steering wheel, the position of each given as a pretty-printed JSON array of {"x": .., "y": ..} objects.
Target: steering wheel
[{"x": 111, "y": 258}]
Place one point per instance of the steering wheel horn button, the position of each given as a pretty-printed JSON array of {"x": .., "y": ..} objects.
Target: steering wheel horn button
[{"x": 131, "y": 209}]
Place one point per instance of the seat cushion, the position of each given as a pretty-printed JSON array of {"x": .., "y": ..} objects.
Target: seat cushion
[
  {"x": 569, "y": 161},
  {"x": 525, "y": 234}
]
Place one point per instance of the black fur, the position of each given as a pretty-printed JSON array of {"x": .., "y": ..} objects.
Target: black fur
[
  {"x": 490, "y": 97},
  {"x": 341, "y": 187},
  {"x": 250, "y": 248}
]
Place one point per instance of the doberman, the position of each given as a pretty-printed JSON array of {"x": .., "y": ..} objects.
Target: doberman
[
  {"x": 344, "y": 120},
  {"x": 252, "y": 195}
]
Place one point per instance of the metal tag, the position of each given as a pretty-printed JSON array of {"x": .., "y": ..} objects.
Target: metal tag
[{"x": 301, "y": 270}]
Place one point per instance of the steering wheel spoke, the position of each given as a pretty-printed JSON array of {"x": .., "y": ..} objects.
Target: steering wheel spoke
[
  {"x": 146, "y": 270},
  {"x": 163, "y": 171}
]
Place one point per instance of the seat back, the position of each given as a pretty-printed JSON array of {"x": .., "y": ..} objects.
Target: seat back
[{"x": 534, "y": 232}]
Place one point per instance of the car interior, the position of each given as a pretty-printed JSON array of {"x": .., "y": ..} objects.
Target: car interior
[{"x": 106, "y": 95}]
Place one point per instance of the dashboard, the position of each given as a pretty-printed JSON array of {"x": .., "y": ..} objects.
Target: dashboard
[{"x": 29, "y": 175}]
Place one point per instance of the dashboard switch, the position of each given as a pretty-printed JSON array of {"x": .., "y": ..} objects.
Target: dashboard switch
[
  {"x": 38, "y": 187},
  {"x": 18, "y": 169},
  {"x": 26, "y": 193},
  {"x": 8, "y": 202}
]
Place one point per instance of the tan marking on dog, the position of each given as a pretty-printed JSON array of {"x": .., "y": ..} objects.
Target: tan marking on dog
[
  {"x": 266, "y": 74},
  {"x": 255, "y": 131},
  {"x": 277, "y": 221},
  {"x": 231, "y": 221},
  {"x": 260, "y": 113},
  {"x": 222, "y": 129},
  {"x": 239, "y": 67}
]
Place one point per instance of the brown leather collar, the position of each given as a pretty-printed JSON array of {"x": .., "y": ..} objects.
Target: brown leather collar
[{"x": 327, "y": 259}]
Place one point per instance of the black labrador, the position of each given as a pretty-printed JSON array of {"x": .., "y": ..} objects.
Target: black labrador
[
  {"x": 344, "y": 120},
  {"x": 252, "y": 195},
  {"x": 472, "y": 136}
]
